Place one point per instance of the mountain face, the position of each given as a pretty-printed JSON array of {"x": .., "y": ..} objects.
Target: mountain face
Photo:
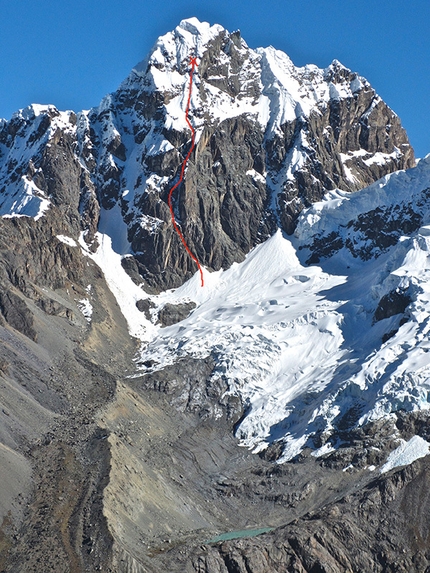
[
  {"x": 271, "y": 140},
  {"x": 148, "y": 424}
]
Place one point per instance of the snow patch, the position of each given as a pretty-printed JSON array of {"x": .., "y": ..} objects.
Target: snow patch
[
  {"x": 27, "y": 201},
  {"x": 406, "y": 453},
  {"x": 86, "y": 308},
  {"x": 112, "y": 225},
  {"x": 323, "y": 450},
  {"x": 67, "y": 240}
]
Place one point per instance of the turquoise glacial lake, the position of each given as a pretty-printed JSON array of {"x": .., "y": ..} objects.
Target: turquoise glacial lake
[{"x": 239, "y": 534}]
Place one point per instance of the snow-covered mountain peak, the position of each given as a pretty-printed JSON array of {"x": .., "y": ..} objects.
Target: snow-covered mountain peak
[
  {"x": 286, "y": 135},
  {"x": 233, "y": 80},
  {"x": 286, "y": 91},
  {"x": 272, "y": 140},
  {"x": 201, "y": 32},
  {"x": 172, "y": 51},
  {"x": 23, "y": 188},
  {"x": 27, "y": 118},
  {"x": 337, "y": 66}
]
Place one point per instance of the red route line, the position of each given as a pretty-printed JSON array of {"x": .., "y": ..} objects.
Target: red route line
[{"x": 193, "y": 63}]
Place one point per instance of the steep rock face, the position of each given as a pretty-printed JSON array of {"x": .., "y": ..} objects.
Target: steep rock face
[
  {"x": 348, "y": 145},
  {"x": 221, "y": 206}
]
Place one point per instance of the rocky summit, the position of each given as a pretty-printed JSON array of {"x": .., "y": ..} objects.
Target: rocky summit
[{"x": 275, "y": 419}]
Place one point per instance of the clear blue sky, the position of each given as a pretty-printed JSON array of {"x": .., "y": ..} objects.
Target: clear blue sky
[{"x": 71, "y": 53}]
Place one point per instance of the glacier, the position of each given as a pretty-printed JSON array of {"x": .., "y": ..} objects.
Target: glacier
[{"x": 298, "y": 342}]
